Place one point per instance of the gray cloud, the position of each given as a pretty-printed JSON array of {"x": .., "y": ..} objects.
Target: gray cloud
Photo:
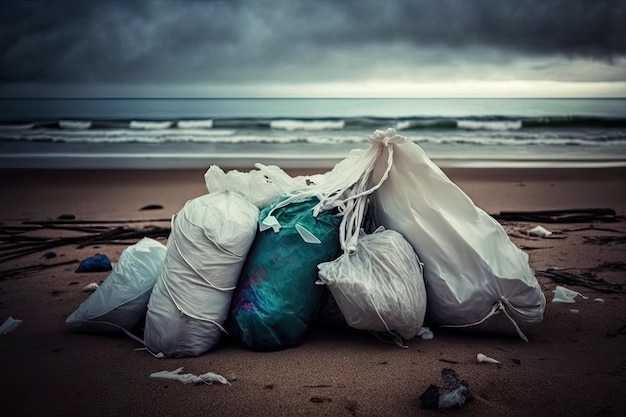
[{"x": 240, "y": 42}]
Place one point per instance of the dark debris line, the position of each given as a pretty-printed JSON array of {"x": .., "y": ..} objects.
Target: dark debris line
[
  {"x": 17, "y": 241},
  {"x": 587, "y": 279},
  {"x": 589, "y": 215}
]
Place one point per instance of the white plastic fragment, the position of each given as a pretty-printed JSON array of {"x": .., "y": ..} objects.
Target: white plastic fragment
[
  {"x": 425, "y": 333},
  {"x": 209, "y": 378},
  {"x": 10, "y": 325},
  {"x": 307, "y": 236},
  {"x": 599, "y": 300},
  {"x": 91, "y": 287},
  {"x": 539, "y": 231},
  {"x": 485, "y": 359},
  {"x": 565, "y": 295},
  {"x": 574, "y": 311},
  {"x": 270, "y": 222}
]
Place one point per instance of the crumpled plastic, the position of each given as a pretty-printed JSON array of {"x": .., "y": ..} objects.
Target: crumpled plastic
[
  {"x": 565, "y": 295},
  {"x": 209, "y": 378},
  {"x": 91, "y": 287},
  {"x": 425, "y": 333},
  {"x": 261, "y": 186},
  {"x": 10, "y": 325},
  {"x": 539, "y": 231}
]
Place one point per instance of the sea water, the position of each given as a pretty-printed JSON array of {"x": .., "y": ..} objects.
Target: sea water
[{"x": 193, "y": 133}]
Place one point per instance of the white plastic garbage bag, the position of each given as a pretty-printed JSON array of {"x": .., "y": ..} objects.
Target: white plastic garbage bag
[
  {"x": 475, "y": 276},
  {"x": 122, "y": 299},
  {"x": 380, "y": 286},
  {"x": 206, "y": 250}
]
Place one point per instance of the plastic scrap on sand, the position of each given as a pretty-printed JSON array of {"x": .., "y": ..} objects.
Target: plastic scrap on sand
[
  {"x": 209, "y": 378},
  {"x": 539, "y": 231},
  {"x": 565, "y": 295},
  {"x": 10, "y": 325},
  {"x": 485, "y": 359},
  {"x": 91, "y": 287}
]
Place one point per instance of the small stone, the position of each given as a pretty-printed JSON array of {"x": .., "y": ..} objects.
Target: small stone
[
  {"x": 152, "y": 207},
  {"x": 454, "y": 393}
]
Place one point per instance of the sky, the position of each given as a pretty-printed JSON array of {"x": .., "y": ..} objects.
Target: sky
[{"x": 315, "y": 48}]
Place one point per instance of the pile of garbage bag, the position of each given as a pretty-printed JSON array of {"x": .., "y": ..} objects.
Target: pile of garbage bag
[{"x": 385, "y": 232}]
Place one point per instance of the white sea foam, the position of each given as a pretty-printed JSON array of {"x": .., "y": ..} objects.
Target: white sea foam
[
  {"x": 74, "y": 124},
  {"x": 195, "y": 124},
  {"x": 409, "y": 124},
  {"x": 307, "y": 124},
  {"x": 489, "y": 124},
  {"x": 139, "y": 124},
  {"x": 404, "y": 124}
]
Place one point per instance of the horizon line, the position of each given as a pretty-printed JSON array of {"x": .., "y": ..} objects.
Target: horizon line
[{"x": 313, "y": 98}]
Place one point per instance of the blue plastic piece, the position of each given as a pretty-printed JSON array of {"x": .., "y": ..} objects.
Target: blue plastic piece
[{"x": 96, "y": 263}]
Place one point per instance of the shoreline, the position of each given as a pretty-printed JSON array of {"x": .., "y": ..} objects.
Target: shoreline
[{"x": 175, "y": 161}]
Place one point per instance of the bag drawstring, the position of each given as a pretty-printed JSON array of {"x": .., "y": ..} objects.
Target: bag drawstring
[{"x": 498, "y": 307}]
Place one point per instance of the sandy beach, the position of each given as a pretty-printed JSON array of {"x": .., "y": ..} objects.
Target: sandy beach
[{"x": 573, "y": 365}]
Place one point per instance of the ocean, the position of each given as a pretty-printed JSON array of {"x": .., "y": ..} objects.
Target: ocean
[{"x": 197, "y": 133}]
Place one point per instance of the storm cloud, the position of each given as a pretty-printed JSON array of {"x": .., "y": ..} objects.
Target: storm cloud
[{"x": 241, "y": 42}]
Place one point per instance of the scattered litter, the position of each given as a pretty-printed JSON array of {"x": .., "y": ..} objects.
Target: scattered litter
[
  {"x": 425, "y": 333},
  {"x": 96, "y": 263},
  {"x": 91, "y": 287},
  {"x": 605, "y": 240},
  {"x": 539, "y": 231},
  {"x": 454, "y": 393},
  {"x": 604, "y": 215},
  {"x": 599, "y": 300},
  {"x": 209, "y": 378},
  {"x": 485, "y": 359},
  {"x": 586, "y": 279},
  {"x": 574, "y": 311},
  {"x": 611, "y": 266},
  {"x": 10, "y": 325},
  {"x": 30, "y": 269},
  {"x": 565, "y": 295}
]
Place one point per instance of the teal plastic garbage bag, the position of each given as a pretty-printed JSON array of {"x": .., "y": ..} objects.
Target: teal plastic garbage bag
[{"x": 276, "y": 295}]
